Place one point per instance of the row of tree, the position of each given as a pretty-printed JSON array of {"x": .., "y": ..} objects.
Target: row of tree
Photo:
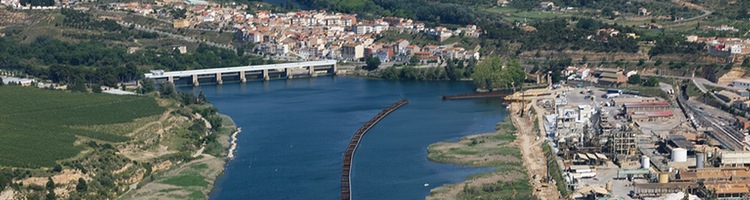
[
  {"x": 100, "y": 63},
  {"x": 453, "y": 70},
  {"x": 82, "y": 20}
]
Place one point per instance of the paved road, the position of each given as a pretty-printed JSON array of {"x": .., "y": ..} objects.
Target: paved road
[
  {"x": 701, "y": 84},
  {"x": 706, "y": 12}
]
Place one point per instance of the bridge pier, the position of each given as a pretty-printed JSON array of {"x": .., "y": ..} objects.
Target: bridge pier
[
  {"x": 218, "y": 78},
  {"x": 311, "y": 71},
  {"x": 242, "y": 77},
  {"x": 195, "y": 80},
  {"x": 288, "y": 73},
  {"x": 265, "y": 75},
  {"x": 170, "y": 79},
  {"x": 333, "y": 69}
]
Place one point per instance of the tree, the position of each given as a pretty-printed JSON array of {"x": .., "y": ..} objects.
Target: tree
[
  {"x": 216, "y": 122},
  {"x": 372, "y": 63},
  {"x": 178, "y": 13},
  {"x": 78, "y": 86},
  {"x": 390, "y": 73},
  {"x": 96, "y": 88},
  {"x": 81, "y": 186},
  {"x": 202, "y": 98},
  {"x": 50, "y": 189},
  {"x": 57, "y": 168},
  {"x": 1, "y": 81},
  {"x": 187, "y": 98},
  {"x": 658, "y": 62},
  {"x": 147, "y": 85},
  {"x": 497, "y": 73},
  {"x": 413, "y": 60},
  {"x": 641, "y": 62},
  {"x": 634, "y": 79},
  {"x": 651, "y": 82},
  {"x": 167, "y": 90}
]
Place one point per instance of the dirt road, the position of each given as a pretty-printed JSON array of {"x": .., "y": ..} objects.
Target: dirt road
[{"x": 531, "y": 150}]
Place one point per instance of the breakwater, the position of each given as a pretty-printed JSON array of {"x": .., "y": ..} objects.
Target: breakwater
[{"x": 354, "y": 143}]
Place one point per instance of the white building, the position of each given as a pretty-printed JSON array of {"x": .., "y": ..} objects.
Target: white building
[
  {"x": 583, "y": 72},
  {"x": 741, "y": 82},
  {"x": 584, "y": 113},
  {"x": 15, "y": 80},
  {"x": 735, "y": 49}
]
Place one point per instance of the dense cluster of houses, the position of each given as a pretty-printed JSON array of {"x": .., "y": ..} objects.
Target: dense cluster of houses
[
  {"x": 735, "y": 48},
  {"x": 311, "y": 35},
  {"x": 18, "y": 5},
  {"x": 321, "y": 35}
]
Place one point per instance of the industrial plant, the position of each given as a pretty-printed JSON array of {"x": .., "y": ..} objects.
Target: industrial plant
[{"x": 620, "y": 144}]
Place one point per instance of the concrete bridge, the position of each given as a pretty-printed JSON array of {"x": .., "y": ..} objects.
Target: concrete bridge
[{"x": 245, "y": 73}]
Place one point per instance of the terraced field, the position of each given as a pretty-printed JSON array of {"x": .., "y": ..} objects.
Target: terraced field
[{"x": 39, "y": 127}]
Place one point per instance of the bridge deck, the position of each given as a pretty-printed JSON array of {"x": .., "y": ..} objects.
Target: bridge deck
[{"x": 241, "y": 68}]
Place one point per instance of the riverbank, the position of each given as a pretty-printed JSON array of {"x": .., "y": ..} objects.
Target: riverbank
[
  {"x": 194, "y": 179},
  {"x": 233, "y": 144},
  {"x": 508, "y": 181}
]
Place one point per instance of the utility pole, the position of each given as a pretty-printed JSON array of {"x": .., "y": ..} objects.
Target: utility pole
[
  {"x": 513, "y": 84},
  {"x": 523, "y": 100}
]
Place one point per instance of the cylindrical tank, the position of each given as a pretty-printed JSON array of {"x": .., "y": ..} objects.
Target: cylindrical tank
[
  {"x": 609, "y": 186},
  {"x": 700, "y": 159},
  {"x": 645, "y": 162},
  {"x": 664, "y": 178},
  {"x": 679, "y": 155}
]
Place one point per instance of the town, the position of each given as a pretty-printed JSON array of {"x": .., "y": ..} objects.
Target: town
[{"x": 315, "y": 35}]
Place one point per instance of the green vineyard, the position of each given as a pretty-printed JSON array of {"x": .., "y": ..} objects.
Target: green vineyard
[{"x": 38, "y": 127}]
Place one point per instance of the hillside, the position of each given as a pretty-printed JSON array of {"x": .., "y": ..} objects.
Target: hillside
[{"x": 91, "y": 146}]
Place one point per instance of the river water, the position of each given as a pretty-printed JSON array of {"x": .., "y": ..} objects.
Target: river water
[{"x": 294, "y": 133}]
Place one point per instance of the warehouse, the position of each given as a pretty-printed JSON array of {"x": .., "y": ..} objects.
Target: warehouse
[
  {"x": 650, "y": 116},
  {"x": 645, "y": 106},
  {"x": 621, "y": 101}
]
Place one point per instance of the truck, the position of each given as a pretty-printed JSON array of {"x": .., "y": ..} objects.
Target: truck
[
  {"x": 613, "y": 91},
  {"x": 611, "y": 95}
]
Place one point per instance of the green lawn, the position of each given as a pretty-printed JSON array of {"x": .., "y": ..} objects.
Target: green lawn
[{"x": 40, "y": 126}]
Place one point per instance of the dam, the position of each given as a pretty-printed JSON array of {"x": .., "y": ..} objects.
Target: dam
[{"x": 246, "y": 73}]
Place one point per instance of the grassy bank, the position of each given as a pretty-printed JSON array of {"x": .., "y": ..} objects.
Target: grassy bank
[
  {"x": 555, "y": 170},
  {"x": 192, "y": 180},
  {"x": 509, "y": 180}
]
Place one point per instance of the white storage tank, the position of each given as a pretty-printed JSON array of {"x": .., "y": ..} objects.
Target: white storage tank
[
  {"x": 679, "y": 155},
  {"x": 645, "y": 162},
  {"x": 700, "y": 160}
]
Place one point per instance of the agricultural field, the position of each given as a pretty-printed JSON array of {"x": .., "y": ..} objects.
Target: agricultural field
[{"x": 41, "y": 126}]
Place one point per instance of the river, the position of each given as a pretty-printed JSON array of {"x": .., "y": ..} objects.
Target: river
[{"x": 294, "y": 133}]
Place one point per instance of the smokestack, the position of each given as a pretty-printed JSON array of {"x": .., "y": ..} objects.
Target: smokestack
[{"x": 549, "y": 78}]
